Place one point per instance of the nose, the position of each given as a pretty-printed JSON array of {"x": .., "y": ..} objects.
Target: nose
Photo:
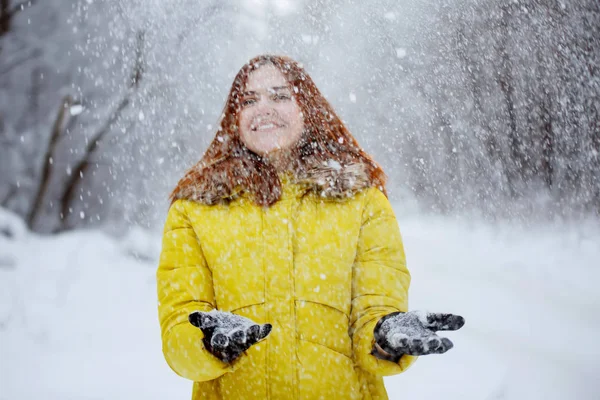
[{"x": 265, "y": 108}]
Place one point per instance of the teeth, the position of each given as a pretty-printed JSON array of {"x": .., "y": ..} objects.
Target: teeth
[{"x": 265, "y": 126}]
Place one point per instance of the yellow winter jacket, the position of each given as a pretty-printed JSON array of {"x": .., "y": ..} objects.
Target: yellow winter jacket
[{"x": 322, "y": 272}]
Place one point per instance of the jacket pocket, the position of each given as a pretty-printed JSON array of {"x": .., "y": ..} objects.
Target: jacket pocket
[
  {"x": 324, "y": 280},
  {"x": 238, "y": 284},
  {"x": 326, "y": 374},
  {"x": 323, "y": 325}
]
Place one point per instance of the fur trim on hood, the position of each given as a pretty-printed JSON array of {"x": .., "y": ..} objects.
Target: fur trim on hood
[
  {"x": 336, "y": 181},
  {"x": 229, "y": 179}
]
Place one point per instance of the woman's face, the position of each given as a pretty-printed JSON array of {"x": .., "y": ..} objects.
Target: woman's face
[{"x": 270, "y": 118}]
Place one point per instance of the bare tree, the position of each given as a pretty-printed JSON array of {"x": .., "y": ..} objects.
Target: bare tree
[
  {"x": 81, "y": 168},
  {"x": 60, "y": 121}
]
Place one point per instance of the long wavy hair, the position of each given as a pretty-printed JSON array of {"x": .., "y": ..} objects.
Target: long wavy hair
[{"x": 228, "y": 168}]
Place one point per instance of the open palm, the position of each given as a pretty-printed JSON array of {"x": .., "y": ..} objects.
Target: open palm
[{"x": 414, "y": 333}]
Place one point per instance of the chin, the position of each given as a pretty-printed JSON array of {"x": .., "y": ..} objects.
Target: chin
[{"x": 265, "y": 151}]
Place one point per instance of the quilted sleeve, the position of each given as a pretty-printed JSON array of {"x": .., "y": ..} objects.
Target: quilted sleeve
[
  {"x": 380, "y": 282},
  {"x": 184, "y": 285}
]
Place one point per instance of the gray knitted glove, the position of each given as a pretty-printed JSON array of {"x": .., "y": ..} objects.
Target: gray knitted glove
[
  {"x": 413, "y": 333},
  {"x": 227, "y": 335}
]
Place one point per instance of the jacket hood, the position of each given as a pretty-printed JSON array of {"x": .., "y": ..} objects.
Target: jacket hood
[
  {"x": 332, "y": 180},
  {"x": 230, "y": 178}
]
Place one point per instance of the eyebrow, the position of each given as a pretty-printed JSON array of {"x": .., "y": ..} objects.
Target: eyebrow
[{"x": 274, "y": 88}]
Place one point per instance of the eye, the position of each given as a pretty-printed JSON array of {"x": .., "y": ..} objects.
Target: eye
[
  {"x": 248, "y": 102},
  {"x": 282, "y": 97}
]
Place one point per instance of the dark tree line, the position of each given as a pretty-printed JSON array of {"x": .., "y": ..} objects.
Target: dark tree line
[
  {"x": 514, "y": 96},
  {"x": 479, "y": 105}
]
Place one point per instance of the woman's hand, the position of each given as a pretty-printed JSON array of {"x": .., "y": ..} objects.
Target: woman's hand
[
  {"x": 413, "y": 333},
  {"x": 227, "y": 335}
]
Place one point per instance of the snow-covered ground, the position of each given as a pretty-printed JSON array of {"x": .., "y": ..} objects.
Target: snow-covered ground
[{"x": 78, "y": 313}]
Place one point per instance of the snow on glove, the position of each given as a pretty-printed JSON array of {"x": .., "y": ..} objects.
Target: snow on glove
[
  {"x": 413, "y": 333},
  {"x": 227, "y": 335}
]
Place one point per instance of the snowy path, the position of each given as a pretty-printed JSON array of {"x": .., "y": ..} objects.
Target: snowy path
[
  {"x": 78, "y": 317},
  {"x": 530, "y": 301}
]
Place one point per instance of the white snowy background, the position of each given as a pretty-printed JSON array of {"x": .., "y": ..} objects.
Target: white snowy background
[
  {"x": 484, "y": 113},
  {"x": 78, "y": 313}
]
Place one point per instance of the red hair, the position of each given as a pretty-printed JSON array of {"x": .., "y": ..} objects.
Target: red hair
[{"x": 228, "y": 167}]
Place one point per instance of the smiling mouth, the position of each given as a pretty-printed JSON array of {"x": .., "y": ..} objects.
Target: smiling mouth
[{"x": 265, "y": 126}]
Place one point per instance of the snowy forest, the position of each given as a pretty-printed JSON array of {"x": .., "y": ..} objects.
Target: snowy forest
[
  {"x": 470, "y": 106},
  {"x": 484, "y": 114}
]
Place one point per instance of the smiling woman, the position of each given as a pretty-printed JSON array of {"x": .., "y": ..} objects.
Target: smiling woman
[{"x": 282, "y": 273}]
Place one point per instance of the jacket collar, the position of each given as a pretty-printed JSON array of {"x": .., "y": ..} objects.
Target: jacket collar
[
  {"x": 332, "y": 180},
  {"x": 329, "y": 180}
]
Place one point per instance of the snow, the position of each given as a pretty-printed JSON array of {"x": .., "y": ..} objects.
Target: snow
[
  {"x": 400, "y": 52},
  {"x": 527, "y": 296},
  {"x": 226, "y": 322},
  {"x": 78, "y": 312},
  {"x": 76, "y": 109},
  {"x": 331, "y": 163}
]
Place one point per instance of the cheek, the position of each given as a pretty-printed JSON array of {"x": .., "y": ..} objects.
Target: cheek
[
  {"x": 244, "y": 118},
  {"x": 244, "y": 128},
  {"x": 292, "y": 114}
]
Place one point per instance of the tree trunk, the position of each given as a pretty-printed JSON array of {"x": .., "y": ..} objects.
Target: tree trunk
[
  {"x": 57, "y": 128},
  {"x": 5, "y": 17}
]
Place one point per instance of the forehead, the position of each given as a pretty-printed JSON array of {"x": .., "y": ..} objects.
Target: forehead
[{"x": 265, "y": 77}]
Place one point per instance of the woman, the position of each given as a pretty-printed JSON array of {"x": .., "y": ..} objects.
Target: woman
[{"x": 282, "y": 273}]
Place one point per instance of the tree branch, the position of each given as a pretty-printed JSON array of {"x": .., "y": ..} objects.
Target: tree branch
[
  {"x": 7, "y": 13},
  {"x": 35, "y": 53},
  {"x": 207, "y": 13},
  {"x": 83, "y": 165},
  {"x": 12, "y": 191},
  {"x": 57, "y": 127}
]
